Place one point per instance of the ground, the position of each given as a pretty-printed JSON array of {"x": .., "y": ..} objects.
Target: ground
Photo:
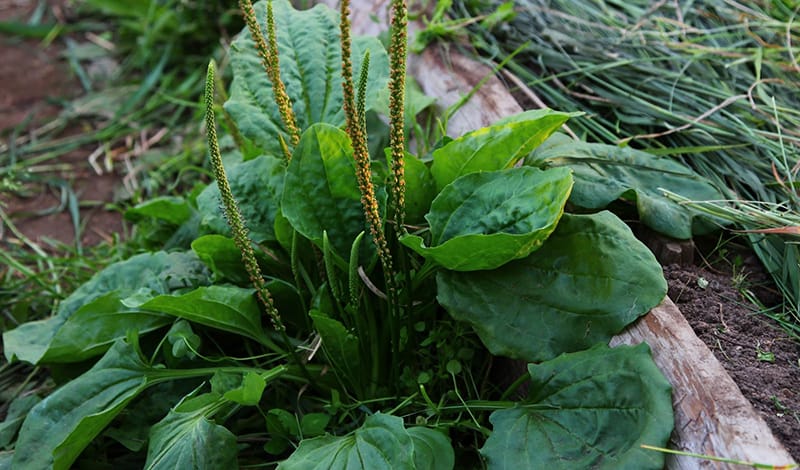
[
  {"x": 34, "y": 79},
  {"x": 760, "y": 357}
]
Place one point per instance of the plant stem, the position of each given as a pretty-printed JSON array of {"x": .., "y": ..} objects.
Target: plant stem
[
  {"x": 281, "y": 97},
  {"x": 356, "y": 128},
  {"x": 515, "y": 386}
]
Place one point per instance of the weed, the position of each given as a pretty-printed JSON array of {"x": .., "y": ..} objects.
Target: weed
[
  {"x": 377, "y": 353},
  {"x": 763, "y": 355}
]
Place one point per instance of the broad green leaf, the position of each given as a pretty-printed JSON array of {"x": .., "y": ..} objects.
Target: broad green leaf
[
  {"x": 166, "y": 222},
  {"x": 62, "y": 425},
  {"x": 496, "y": 147},
  {"x": 605, "y": 173},
  {"x": 257, "y": 185},
  {"x": 202, "y": 402},
  {"x": 282, "y": 423},
  {"x": 131, "y": 428},
  {"x": 484, "y": 220},
  {"x": 590, "y": 409},
  {"x": 432, "y": 449},
  {"x": 244, "y": 388},
  {"x": 184, "y": 341},
  {"x": 249, "y": 392},
  {"x": 97, "y": 325},
  {"x": 226, "y": 308},
  {"x": 170, "y": 209},
  {"x": 381, "y": 443},
  {"x": 28, "y": 342},
  {"x": 420, "y": 188},
  {"x": 188, "y": 439},
  {"x": 591, "y": 278},
  {"x": 340, "y": 345},
  {"x": 321, "y": 191},
  {"x": 159, "y": 273},
  {"x": 223, "y": 381},
  {"x": 283, "y": 232},
  {"x": 310, "y": 63},
  {"x": 314, "y": 424},
  {"x": 224, "y": 259},
  {"x": 17, "y": 410}
]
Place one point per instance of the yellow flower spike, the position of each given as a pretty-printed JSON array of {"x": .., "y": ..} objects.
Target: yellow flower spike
[
  {"x": 357, "y": 129},
  {"x": 281, "y": 97},
  {"x": 347, "y": 68},
  {"x": 271, "y": 63},
  {"x": 397, "y": 82}
]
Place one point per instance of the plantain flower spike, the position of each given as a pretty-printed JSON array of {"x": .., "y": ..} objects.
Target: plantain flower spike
[
  {"x": 355, "y": 121},
  {"x": 361, "y": 96},
  {"x": 397, "y": 83},
  {"x": 268, "y": 51},
  {"x": 231, "y": 208}
]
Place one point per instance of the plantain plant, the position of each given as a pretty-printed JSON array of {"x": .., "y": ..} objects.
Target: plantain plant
[{"x": 342, "y": 306}]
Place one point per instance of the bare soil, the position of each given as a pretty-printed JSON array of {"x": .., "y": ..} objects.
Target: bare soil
[
  {"x": 760, "y": 357},
  {"x": 33, "y": 79}
]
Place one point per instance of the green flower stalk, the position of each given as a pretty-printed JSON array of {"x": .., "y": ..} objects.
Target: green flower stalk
[
  {"x": 397, "y": 84},
  {"x": 229, "y": 122},
  {"x": 232, "y": 213},
  {"x": 268, "y": 51},
  {"x": 361, "y": 96}
]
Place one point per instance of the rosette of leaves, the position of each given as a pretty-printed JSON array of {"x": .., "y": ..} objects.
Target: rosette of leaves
[{"x": 373, "y": 368}]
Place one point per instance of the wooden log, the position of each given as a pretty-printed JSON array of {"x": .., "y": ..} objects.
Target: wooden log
[{"x": 712, "y": 416}]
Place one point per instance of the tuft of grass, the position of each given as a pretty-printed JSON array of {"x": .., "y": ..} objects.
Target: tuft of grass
[
  {"x": 139, "y": 114},
  {"x": 138, "y": 120},
  {"x": 713, "y": 84}
]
